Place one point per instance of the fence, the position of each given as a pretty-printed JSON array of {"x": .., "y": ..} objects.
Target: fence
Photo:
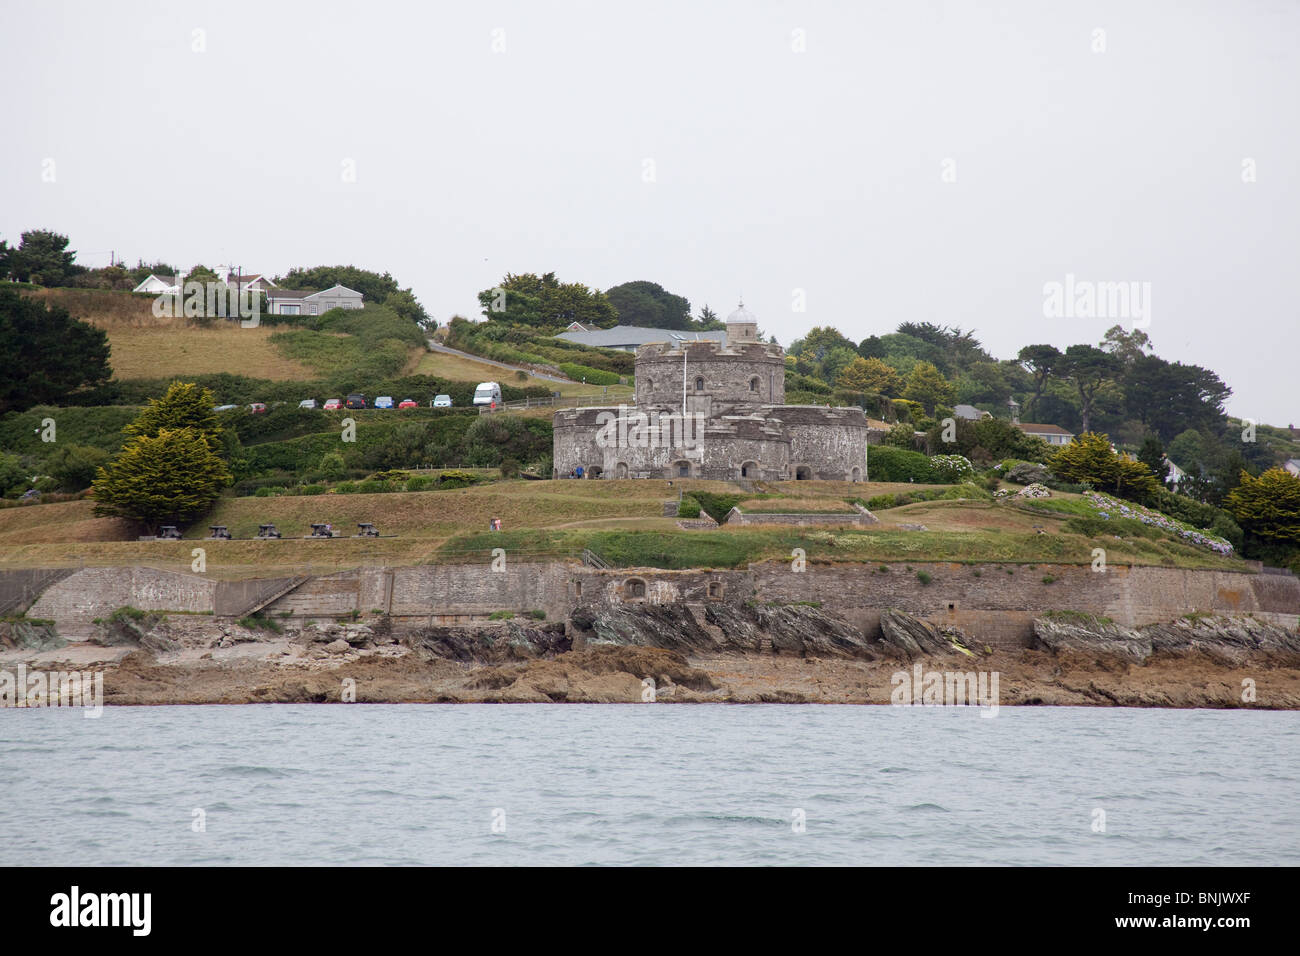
[{"x": 552, "y": 401}]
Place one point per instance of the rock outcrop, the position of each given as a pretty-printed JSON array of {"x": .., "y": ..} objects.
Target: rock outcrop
[
  {"x": 34, "y": 636},
  {"x": 490, "y": 643},
  {"x": 1230, "y": 639}
]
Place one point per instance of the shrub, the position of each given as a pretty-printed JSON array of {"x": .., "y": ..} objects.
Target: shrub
[
  {"x": 272, "y": 491},
  {"x": 923, "y": 577},
  {"x": 510, "y": 468},
  {"x": 952, "y": 468},
  {"x": 501, "y": 615},
  {"x": 888, "y": 463},
  {"x": 688, "y": 507},
  {"x": 419, "y": 483},
  {"x": 593, "y": 376},
  {"x": 346, "y": 487}
]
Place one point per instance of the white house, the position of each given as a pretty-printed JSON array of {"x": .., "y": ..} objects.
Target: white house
[
  {"x": 158, "y": 285},
  {"x": 306, "y": 302},
  {"x": 1293, "y": 466},
  {"x": 254, "y": 281}
]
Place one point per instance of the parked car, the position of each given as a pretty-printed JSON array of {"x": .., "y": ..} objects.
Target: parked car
[
  {"x": 224, "y": 408},
  {"x": 307, "y": 403},
  {"x": 356, "y": 400},
  {"x": 257, "y": 408},
  {"x": 408, "y": 403},
  {"x": 384, "y": 401},
  {"x": 333, "y": 404},
  {"x": 441, "y": 401},
  {"x": 487, "y": 393}
]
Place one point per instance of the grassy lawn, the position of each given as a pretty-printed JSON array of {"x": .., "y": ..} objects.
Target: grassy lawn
[{"x": 620, "y": 520}]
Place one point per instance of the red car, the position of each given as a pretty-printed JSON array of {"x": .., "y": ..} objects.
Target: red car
[
  {"x": 408, "y": 403},
  {"x": 257, "y": 408},
  {"x": 334, "y": 404}
]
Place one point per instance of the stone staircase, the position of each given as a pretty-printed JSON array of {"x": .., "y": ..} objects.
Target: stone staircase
[{"x": 274, "y": 591}]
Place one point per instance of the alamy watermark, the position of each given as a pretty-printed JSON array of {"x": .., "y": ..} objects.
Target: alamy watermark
[
  {"x": 1085, "y": 299},
  {"x": 53, "y": 689},
  {"x": 946, "y": 689},
  {"x": 214, "y": 299},
  {"x": 630, "y": 428}
]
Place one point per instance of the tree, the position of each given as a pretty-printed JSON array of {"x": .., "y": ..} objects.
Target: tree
[
  {"x": 545, "y": 302},
  {"x": 48, "y": 355},
  {"x": 1152, "y": 454},
  {"x": 74, "y": 466},
  {"x": 1090, "y": 459},
  {"x": 1089, "y": 369},
  {"x": 14, "y": 477},
  {"x": 405, "y": 304},
  {"x": 1128, "y": 347},
  {"x": 709, "y": 319},
  {"x": 1042, "y": 362},
  {"x": 42, "y": 257},
  {"x": 171, "y": 477},
  {"x": 1268, "y": 507},
  {"x": 185, "y": 405},
  {"x": 649, "y": 305},
  {"x": 926, "y": 386},
  {"x": 871, "y": 376}
]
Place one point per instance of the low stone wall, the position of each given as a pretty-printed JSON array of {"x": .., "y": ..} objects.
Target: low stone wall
[
  {"x": 995, "y": 604},
  {"x": 802, "y": 519}
]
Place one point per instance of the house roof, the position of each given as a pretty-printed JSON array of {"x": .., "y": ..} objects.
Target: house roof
[
  {"x": 290, "y": 294},
  {"x": 1032, "y": 429},
  {"x": 626, "y": 336},
  {"x": 336, "y": 288},
  {"x": 165, "y": 280}
]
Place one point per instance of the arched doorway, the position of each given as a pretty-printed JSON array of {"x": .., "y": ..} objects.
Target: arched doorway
[
  {"x": 633, "y": 588},
  {"x": 802, "y": 473},
  {"x": 620, "y": 470},
  {"x": 856, "y": 475},
  {"x": 681, "y": 468},
  {"x": 595, "y": 471},
  {"x": 749, "y": 469}
]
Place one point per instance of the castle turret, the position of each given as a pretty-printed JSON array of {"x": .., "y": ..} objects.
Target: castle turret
[{"x": 742, "y": 326}]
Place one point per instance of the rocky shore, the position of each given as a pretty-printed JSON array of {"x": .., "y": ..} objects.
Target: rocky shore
[{"x": 666, "y": 653}]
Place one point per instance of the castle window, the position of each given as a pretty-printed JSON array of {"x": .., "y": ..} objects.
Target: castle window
[
  {"x": 715, "y": 590},
  {"x": 634, "y": 588},
  {"x": 753, "y": 384},
  {"x": 682, "y": 469},
  {"x": 699, "y": 384}
]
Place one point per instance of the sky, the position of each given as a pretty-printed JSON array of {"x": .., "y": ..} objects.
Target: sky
[{"x": 855, "y": 164}]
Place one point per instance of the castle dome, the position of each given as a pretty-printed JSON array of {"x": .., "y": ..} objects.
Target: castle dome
[{"x": 742, "y": 315}]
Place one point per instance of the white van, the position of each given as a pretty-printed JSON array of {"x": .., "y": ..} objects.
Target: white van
[{"x": 487, "y": 393}]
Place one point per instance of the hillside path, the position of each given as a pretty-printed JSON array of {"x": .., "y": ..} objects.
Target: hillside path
[{"x": 433, "y": 346}]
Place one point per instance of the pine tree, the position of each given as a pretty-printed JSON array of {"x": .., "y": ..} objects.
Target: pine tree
[
  {"x": 185, "y": 405},
  {"x": 167, "y": 478},
  {"x": 1268, "y": 507}
]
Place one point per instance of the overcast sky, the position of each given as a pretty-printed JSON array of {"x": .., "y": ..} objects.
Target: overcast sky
[{"x": 875, "y": 162}]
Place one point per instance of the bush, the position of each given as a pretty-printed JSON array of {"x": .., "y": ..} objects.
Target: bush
[
  {"x": 509, "y": 468},
  {"x": 923, "y": 577},
  {"x": 887, "y": 463},
  {"x": 346, "y": 487},
  {"x": 420, "y": 483},
  {"x": 271, "y": 491},
  {"x": 688, "y": 507},
  {"x": 593, "y": 376},
  {"x": 952, "y": 468}
]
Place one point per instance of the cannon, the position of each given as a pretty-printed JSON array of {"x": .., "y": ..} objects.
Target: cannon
[
  {"x": 218, "y": 531},
  {"x": 267, "y": 531},
  {"x": 321, "y": 531},
  {"x": 168, "y": 532},
  {"x": 366, "y": 530}
]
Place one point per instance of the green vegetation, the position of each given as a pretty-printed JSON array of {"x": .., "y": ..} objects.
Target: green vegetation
[{"x": 48, "y": 355}]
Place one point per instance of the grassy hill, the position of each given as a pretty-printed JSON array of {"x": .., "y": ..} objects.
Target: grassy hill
[{"x": 621, "y": 520}]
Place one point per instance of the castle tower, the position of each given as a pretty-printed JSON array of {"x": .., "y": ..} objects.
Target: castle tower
[{"x": 742, "y": 326}]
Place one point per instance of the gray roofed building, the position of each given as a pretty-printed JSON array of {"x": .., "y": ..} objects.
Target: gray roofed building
[{"x": 628, "y": 338}]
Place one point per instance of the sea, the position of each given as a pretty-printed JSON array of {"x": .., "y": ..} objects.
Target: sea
[{"x": 647, "y": 784}]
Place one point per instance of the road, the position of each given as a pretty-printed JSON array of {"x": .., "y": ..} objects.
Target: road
[{"x": 433, "y": 346}]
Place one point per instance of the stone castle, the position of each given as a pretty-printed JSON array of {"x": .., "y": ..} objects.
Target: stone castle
[{"x": 707, "y": 410}]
